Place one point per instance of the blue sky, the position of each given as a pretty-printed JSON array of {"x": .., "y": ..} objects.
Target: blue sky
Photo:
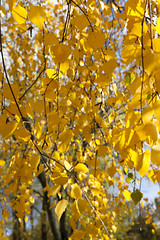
[{"x": 150, "y": 190}]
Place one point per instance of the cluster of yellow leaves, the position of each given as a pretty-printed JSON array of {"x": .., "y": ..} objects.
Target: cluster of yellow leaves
[{"x": 83, "y": 121}]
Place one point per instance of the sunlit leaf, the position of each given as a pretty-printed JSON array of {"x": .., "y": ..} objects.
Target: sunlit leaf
[
  {"x": 60, "y": 208},
  {"x": 59, "y": 178},
  {"x": 2, "y": 162},
  {"x": 37, "y": 16},
  {"x": 22, "y": 135},
  {"x": 76, "y": 192},
  {"x": 80, "y": 167},
  {"x": 147, "y": 130},
  {"x": 20, "y": 14},
  {"x": 155, "y": 155},
  {"x": 82, "y": 205},
  {"x": 130, "y": 51},
  {"x": 143, "y": 163},
  {"x": 51, "y": 73},
  {"x": 151, "y": 62},
  {"x": 147, "y": 114}
]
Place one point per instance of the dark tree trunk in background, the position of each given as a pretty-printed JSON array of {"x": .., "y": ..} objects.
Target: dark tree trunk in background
[
  {"x": 44, "y": 220},
  {"x": 32, "y": 229},
  {"x": 17, "y": 233},
  {"x": 51, "y": 214},
  {"x": 64, "y": 233}
]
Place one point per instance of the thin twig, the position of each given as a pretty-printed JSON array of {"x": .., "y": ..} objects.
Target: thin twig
[
  {"x": 83, "y": 13},
  {"x": 151, "y": 31},
  {"x": 66, "y": 21},
  {"x": 142, "y": 78},
  {"x": 32, "y": 83},
  {"x": 6, "y": 75},
  {"x": 44, "y": 68}
]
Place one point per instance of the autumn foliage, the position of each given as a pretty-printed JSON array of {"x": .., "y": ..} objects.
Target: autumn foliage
[{"x": 80, "y": 110}]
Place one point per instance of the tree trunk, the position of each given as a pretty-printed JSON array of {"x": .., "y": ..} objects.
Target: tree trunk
[
  {"x": 51, "y": 214},
  {"x": 17, "y": 234},
  {"x": 43, "y": 220},
  {"x": 64, "y": 234}
]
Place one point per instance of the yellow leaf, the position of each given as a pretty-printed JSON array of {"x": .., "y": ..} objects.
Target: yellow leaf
[
  {"x": 11, "y": 4},
  {"x": 60, "y": 208},
  {"x": 156, "y": 110},
  {"x": 109, "y": 66},
  {"x": 147, "y": 114},
  {"x": 2, "y": 162},
  {"x": 26, "y": 174},
  {"x": 82, "y": 205},
  {"x": 22, "y": 135},
  {"x": 103, "y": 80},
  {"x": 54, "y": 190},
  {"x": 152, "y": 176},
  {"x": 80, "y": 22},
  {"x": 53, "y": 118},
  {"x": 50, "y": 39},
  {"x": 20, "y": 14},
  {"x": 1, "y": 76},
  {"x": 133, "y": 156},
  {"x": 50, "y": 95},
  {"x": 96, "y": 40},
  {"x": 5, "y": 214},
  {"x": 135, "y": 27},
  {"x": 76, "y": 192},
  {"x": 127, "y": 194},
  {"x": 156, "y": 44},
  {"x": 80, "y": 167},
  {"x": 37, "y": 16},
  {"x": 22, "y": 27},
  {"x": 2, "y": 12},
  {"x": 144, "y": 163},
  {"x": 38, "y": 107},
  {"x": 64, "y": 66},
  {"x": 147, "y": 130},
  {"x": 7, "y": 92},
  {"x": 66, "y": 136},
  {"x": 155, "y": 155},
  {"x": 130, "y": 51},
  {"x": 51, "y": 73},
  {"x": 59, "y": 178},
  {"x": 111, "y": 170},
  {"x": 157, "y": 83},
  {"x": 7, "y": 129},
  {"x": 34, "y": 161},
  {"x": 102, "y": 151},
  {"x": 61, "y": 52},
  {"x": 151, "y": 61}
]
